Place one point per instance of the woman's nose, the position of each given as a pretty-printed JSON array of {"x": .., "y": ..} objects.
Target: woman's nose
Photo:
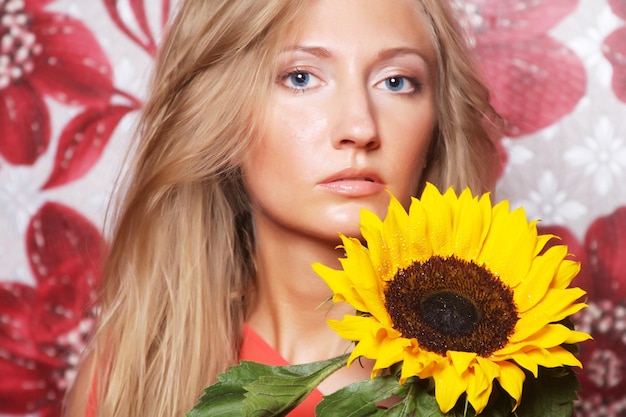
[{"x": 355, "y": 119}]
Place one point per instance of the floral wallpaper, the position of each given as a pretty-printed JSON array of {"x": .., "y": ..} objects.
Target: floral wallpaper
[{"x": 73, "y": 74}]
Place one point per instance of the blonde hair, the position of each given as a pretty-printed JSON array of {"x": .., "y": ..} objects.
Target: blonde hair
[
  {"x": 172, "y": 305},
  {"x": 463, "y": 152},
  {"x": 176, "y": 282}
]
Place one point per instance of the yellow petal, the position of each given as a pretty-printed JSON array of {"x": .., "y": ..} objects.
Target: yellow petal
[
  {"x": 512, "y": 380},
  {"x": 550, "y": 335},
  {"x": 394, "y": 234},
  {"x": 418, "y": 362},
  {"x": 461, "y": 360},
  {"x": 534, "y": 287},
  {"x": 471, "y": 225},
  {"x": 509, "y": 247},
  {"x": 554, "y": 307},
  {"x": 553, "y": 358},
  {"x": 392, "y": 352},
  {"x": 568, "y": 270},
  {"x": 337, "y": 281},
  {"x": 371, "y": 230},
  {"x": 355, "y": 328},
  {"x": 490, "y": 368},
  {"x": 366, "y": 289},
  {"x": 526, "y": 362},
  {"x": 577, "y": 337},
  {"x": 439, "y": 227},
  {"x": 542, "y": 240},
  {"x": 420, "y": 248},
  {"x": 366, "y": 331},
  {"x": 480, "y": 384},
  {"x": 448, "y": 387}
]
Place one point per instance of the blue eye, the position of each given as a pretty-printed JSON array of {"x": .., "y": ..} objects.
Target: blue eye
[
  {"x": 395, "y": 83},
  {"x": 299, "y": 79}
]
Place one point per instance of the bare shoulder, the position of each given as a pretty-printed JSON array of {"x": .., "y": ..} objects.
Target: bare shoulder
[{"x": 78, "y": 395}]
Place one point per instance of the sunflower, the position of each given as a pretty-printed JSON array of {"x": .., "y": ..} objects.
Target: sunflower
[{"x": 459, "y": 291}]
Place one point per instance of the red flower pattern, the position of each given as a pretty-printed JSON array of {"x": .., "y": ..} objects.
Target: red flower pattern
[
  {"x": 603, "y": 276},
  {"x": 44, "y": 53},
  {"x": 43, "y": 328},
  {"x": 83, "y": 140},
  {"x": 614, "y": 49},
  {"x": 604, "y": 374},
  {"x": 142, "y": 36},
  {"x": 534, "y": 78}
]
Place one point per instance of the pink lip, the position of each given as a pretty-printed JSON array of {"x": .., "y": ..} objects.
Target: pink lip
[{"x": 353, "y": 183}]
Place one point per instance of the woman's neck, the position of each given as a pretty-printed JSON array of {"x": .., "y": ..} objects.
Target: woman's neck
[
  {"x": 292, "y": 302},
  {"x": 290, "y": 312}
]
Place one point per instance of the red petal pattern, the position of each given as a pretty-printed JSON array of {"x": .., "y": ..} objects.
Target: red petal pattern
[
  {"x": 58, "y": 234},
  {"x": 62, "y": 300},
  {"x": 82, "y": 142},
  {"x": 512, "y": 21},
  {"x": 41, "y": 326},
  {"x": 146, "y": 41},
  {"x": 618, "y": 7},
  {"x": 72, "y": 67},
  {"x": 33, "y": 6},
  {"x": 534, "y": 83},
  {"x": 25, "y": 124},
  {"x": 535, "y": 79},
  {"x": 604, "y": 369},
  {"x": 23, "y": 389},
  {"x": 139, "y": 11},
  {"x": 16, "y": 307},
  {"x": 606, "y": 247},
  {"x": 614, "y": 49}
]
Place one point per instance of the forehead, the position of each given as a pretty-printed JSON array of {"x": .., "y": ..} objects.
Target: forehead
[{"x": 359, "y": 24}]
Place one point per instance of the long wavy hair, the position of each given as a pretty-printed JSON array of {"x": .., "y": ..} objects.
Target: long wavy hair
[{"x": 180, "y": 268}]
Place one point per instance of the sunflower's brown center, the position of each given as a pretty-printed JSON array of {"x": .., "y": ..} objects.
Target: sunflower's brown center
[
  {"x": 451, "y": 304},
  {"x": 18, "y": 45},
  {"x": 449, "y": 313}
]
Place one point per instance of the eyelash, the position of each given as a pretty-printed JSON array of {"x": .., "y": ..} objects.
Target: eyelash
[
  {"x": 284, "y": 77},
  {"x": 415, "y": 83}
]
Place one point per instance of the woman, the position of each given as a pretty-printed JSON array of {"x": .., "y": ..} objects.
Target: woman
[{"x": 270, "y": 125}]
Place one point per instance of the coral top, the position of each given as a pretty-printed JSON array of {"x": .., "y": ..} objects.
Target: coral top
[{"x": 255, "y": 349}]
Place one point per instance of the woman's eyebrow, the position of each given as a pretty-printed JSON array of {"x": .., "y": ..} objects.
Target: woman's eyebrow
[
  {"x": 402, "y": 51},
  {"x": 322, "y": 52},
  {"x": 317, "y": 51}
]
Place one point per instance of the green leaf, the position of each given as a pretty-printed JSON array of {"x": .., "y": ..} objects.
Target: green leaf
[
  {"x": 359, "y": 399},
  {"x": 552, "y": 394},
  {"x": 225, "y": 398},
  {"x": 279, "y": 389},
  {"x": 426, "y": 405},
  {"x": 409, "y": 406},
  {"x": 253, "y": 389}
]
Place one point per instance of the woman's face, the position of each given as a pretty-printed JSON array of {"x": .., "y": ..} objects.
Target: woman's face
[{"x": 351, "y": 113}]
